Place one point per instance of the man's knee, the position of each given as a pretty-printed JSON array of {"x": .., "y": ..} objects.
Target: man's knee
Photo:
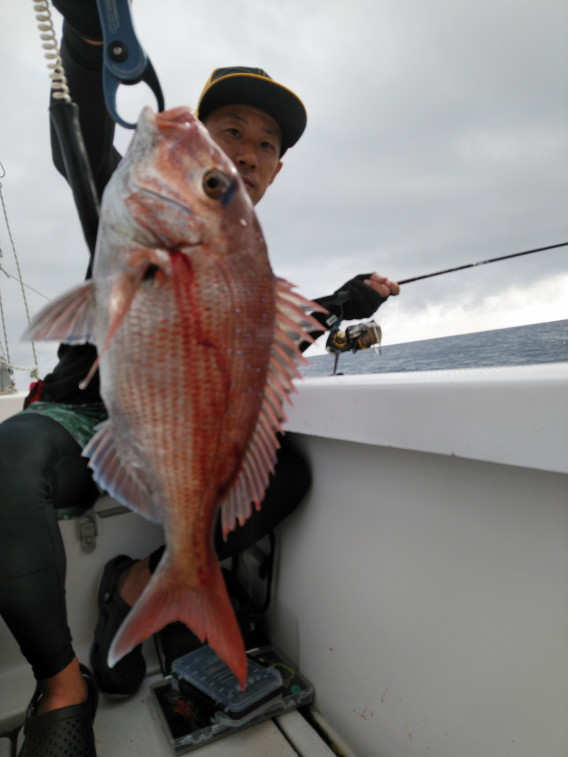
[{"x": 39, "y": 458}]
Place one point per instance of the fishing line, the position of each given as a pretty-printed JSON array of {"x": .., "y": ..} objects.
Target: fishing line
[
  {"x": 35, "y": 371},
  {"x": 22, "y": 283},
  {"x": 481, "y": 262}
]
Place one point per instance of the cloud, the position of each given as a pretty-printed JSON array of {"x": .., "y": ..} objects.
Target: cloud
[{"x": 436, "y": 137}]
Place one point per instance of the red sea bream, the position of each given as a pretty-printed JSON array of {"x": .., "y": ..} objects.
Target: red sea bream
[{"x": 197, "y": 353}]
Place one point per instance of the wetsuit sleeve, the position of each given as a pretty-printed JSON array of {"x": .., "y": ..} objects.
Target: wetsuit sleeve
[{"x": 83, "y": 67}]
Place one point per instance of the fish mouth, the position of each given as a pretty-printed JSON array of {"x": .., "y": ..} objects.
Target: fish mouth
[{"x": 181, "y": 115}]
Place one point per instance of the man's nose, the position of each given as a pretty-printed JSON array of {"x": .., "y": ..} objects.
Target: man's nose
[{"x": 247, "y": 157}]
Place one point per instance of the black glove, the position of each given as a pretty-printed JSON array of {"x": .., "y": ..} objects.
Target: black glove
[
  {"x": 353, "y": 300},
  {"x": 82, "y": 15}
]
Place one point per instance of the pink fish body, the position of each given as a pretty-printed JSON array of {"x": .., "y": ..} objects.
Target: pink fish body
[{"x": 197, "y": 352}]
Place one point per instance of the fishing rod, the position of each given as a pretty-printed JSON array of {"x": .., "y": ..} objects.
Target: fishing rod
[
  {"x": 481, "y": 262},
  {"x": 364, "y": 335}
]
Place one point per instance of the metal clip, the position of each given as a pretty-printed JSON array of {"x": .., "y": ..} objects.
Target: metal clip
[
  {"x": 125, "y": 62},
  {"x": 86, "y": 527}
]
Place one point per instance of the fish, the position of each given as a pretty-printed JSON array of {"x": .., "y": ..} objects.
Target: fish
[{"x": 197, "y": 344}]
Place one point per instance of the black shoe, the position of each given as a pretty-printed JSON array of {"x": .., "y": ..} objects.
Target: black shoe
[
  {"x": 67, "y": 731},
  {"x": 125, "y": 678}
]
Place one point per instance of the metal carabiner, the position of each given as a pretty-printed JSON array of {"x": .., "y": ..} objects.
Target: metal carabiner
[{"x": 124, "y": 60}]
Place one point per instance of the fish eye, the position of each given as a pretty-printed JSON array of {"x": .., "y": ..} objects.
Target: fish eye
[{"x": 216, "y": 184}]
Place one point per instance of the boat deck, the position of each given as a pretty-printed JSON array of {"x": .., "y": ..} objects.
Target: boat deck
[
  {"x": 133, "y": 727},
  {"x": 420, "y": 587}
]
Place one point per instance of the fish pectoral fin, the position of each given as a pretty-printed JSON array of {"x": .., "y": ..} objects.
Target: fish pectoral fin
[
  {"x": 124, "y": 288},
  {"x": 68, "y": 318},
  {"x": 121, "y": 482},
  {"x": 204, "y": 608},
  {"x": 258, "y": 463}
]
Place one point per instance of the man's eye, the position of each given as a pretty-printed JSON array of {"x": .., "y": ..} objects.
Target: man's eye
[
  {"x": 233, "y": 131},
  {"x": 216, "y": 184}
]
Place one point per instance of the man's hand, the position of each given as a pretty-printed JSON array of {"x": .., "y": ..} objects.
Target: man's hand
[
  {"x": 362, "y": 295},
  {"x": 383, "y": 287},
  {"x": 359, "y": 297}
]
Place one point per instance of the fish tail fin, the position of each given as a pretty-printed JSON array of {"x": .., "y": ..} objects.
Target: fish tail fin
[{"x": 205, "y": 609}]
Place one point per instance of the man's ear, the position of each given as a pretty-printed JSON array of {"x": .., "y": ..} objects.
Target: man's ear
[{"x": 276, "y": 171}]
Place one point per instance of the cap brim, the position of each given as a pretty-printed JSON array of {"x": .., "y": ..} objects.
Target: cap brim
[{"x": 280, "y": 103}]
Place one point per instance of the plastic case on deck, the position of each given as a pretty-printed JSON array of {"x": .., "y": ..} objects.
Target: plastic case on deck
[
  {"x": 202, "y": 700},
  {"x": 204, "y": 670}
]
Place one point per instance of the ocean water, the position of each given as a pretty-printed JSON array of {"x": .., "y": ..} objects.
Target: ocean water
[{"x": 520, "y": 345}]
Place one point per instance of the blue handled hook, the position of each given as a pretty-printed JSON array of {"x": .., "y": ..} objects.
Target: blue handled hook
[{"x": 125, "y": 62}]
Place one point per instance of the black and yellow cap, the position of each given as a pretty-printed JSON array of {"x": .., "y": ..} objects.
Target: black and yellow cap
[{"x": 240, "y": 85}]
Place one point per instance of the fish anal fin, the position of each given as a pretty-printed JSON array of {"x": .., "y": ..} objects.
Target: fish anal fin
[
  {"x": 118, "y": 480},
  {"x": 204, "y": 608},
  {"x": 68, "y": 318}
]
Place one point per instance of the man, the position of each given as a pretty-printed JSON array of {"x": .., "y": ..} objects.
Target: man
[{"x": 255, "y": 120}]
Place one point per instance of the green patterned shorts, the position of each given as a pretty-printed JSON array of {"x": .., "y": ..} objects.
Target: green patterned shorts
[{"x": 79, "y": 420}]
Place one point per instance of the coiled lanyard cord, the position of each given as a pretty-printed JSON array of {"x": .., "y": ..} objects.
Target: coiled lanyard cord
[{"x": 64, "y": 115}]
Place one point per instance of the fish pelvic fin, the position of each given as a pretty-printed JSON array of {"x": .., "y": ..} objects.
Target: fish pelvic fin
[
  {"x": 291, "y": 322},
  {"x": 125, "y": 483},
  {"x": 205, "y": 609},
  {"x": 68, "y": 318}
]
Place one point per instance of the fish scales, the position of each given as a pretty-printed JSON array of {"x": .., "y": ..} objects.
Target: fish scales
[{"x": 197, "y": 352}]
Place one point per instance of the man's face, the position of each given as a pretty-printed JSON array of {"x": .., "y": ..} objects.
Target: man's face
[{"x": 251, "y": 138}]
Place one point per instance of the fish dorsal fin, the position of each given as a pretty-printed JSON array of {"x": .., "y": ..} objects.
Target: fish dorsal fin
[
  {"x": 68, "y": 318},
  {"x": 258, "y": 462},
  {"x": 115, "y": 478}
]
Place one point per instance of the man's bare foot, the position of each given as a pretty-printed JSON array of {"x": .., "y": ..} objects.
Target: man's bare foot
[
  {"x": 63, "y": 689},
  {"x": 133, "y": 580}
]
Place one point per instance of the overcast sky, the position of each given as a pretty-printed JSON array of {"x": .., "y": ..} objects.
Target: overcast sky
[{"x": 437, "y": 136}]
